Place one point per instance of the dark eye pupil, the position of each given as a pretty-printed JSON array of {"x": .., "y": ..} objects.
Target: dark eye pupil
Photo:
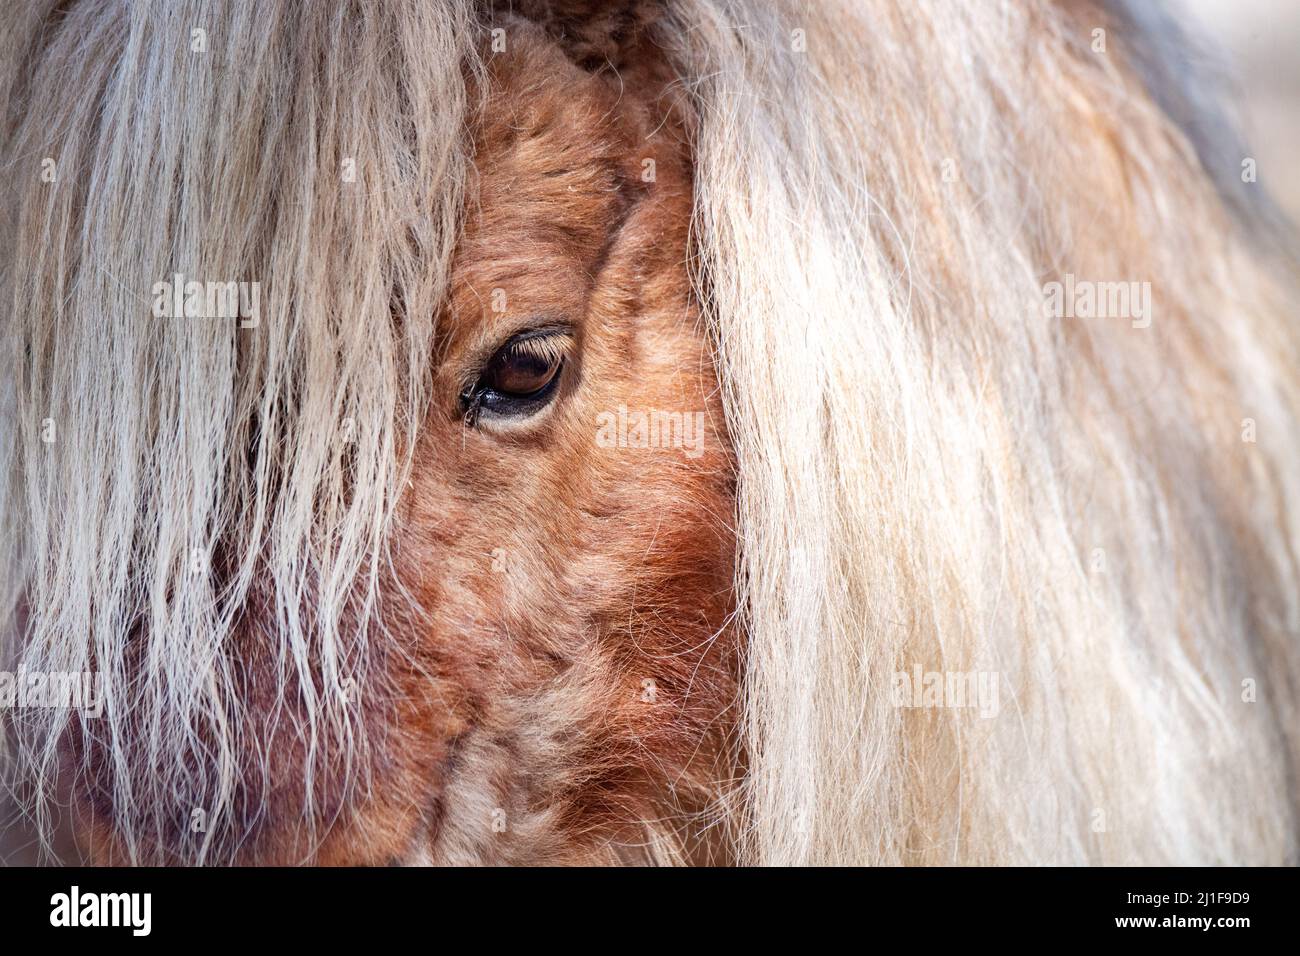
[{"x": 513, "y": 372}]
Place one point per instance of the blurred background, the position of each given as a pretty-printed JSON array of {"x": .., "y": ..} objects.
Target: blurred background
[{"x": 1259, "y": 41}]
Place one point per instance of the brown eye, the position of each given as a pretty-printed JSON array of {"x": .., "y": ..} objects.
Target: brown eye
[
  {"x": 519, "y": 371},
  {"x": 520, "y": 379}
]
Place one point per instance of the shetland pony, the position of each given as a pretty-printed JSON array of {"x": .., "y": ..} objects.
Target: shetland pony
[{"x": 716, "y": 431}]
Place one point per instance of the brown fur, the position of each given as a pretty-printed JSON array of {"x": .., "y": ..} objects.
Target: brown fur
[{"x": 617, "y": 566}]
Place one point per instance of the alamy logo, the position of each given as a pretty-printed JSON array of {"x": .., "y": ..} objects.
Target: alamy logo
[
  {"x": 102, "y": 909},
  {"x": 651, "y": 429},
  {"x": 956, "y": 689},
  {"x": 53, "y": 690},
  {"x": 1084, "y": 299},
  {"x": 181, "y": 299}
]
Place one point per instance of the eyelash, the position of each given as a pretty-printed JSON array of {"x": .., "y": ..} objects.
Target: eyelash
[{"x": 552, "y": 346}]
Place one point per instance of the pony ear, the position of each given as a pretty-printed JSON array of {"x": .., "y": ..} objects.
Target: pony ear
[{"x": 594, "y": 33}]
